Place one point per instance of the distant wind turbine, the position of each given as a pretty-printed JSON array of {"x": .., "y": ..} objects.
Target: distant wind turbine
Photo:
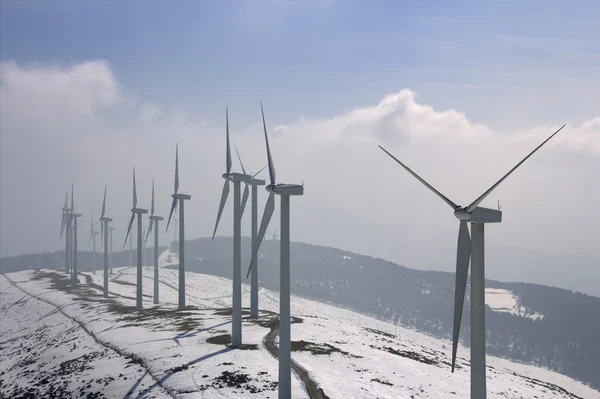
[
  {"x": 179, "y": 198},
  {"x": 154, "y": 220},
  {"x": 93, "y": 240},
  {"x": 284, "y": 191},
  {"x": 105, "y": 226},
  {"x": 65, "y": 217},
  {"x": 472, "y": 248},
  {"x": 237, "y": 179},
  {"x": 73, "y": 218},
  {"x": 139, "y": 212},
  {"x": 110, "y": 258},
  {"x": 254, "y": 227}
]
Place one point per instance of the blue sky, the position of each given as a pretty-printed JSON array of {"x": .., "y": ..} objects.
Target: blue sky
[{"x": 319, "y": 58}]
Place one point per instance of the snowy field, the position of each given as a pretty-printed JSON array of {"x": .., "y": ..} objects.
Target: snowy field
[{"x": 55, "y": 338}]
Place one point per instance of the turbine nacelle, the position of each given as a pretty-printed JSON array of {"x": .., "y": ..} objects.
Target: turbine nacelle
[
  {"x": 237, "y": 177},
  {"x": 181, "y": 196},
  {"x": 105, "y": 219},
  {"x": 139, "y": 211},
  {"x": 478, "y": 215},
  {"x": 156, "y": 218},
  {"x": 285, "y": 189},
  {"x": 256, "y": 182}
]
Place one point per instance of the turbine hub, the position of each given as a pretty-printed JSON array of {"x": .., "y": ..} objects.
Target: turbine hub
[{"x": 462, "y": 214}]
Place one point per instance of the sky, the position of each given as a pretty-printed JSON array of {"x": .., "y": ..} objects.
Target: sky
[{"x": 459, "y": 91}]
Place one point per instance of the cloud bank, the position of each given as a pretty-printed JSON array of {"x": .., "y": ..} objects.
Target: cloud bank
[{"x": 77, "y": 123}]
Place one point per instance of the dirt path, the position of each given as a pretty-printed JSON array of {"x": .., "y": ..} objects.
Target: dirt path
[{"x": 312, "y": 388}]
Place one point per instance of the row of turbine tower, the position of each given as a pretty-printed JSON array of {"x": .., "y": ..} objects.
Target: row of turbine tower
[{"x": 470, "y": 249}]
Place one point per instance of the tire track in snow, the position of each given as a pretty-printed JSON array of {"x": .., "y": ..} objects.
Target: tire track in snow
[{"x": 133, "y": 357}]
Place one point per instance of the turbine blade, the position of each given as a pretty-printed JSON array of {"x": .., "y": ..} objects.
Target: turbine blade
[
  {"x": 101, "y": 233},
  {"x": 264, "y": 224},
  {"x": 134, "y": 190},
  {"x": 176, "y": 187},
  {"x": 103, "y": 204},
  {"x": 429, "y": 186},
  {"x": 244, "y": 200},
  {"x": 72, "y": 200},
  {"x": 221, "y": 205},
  {"x": 239, "y": 158},
  {"x": 152, "y": 206},
  {"x": 463, "y": 256},
  {"x": 63, "y": 221},
  {"x": 92, "y": 223},
  {"x": 149, "y": 229},
  {"x": 482, "y": 197},
  {"x": 228, "y": 156},
  {"x": 263, "y": 168},
  {"x": 129, "y": 228},
  {"x": 269, "y": 158},
  {"x": 62, "y": 224},
  {"x": 173, "y": 206},
  {"x": 90, "y": 240}
]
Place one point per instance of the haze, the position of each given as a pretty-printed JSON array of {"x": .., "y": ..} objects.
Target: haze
[{"x": 459, "y": 92}]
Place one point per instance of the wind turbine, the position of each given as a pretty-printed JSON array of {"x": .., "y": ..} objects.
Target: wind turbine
[
  {"x": 66, "y": 215},
  {"x": 144, "y": 239},
  {"x": 110, "y": 258},
  {"x": 105, "y": 223},
  {"x": 93, "y": 238},
  {"x": 74, "y": 217},
  {"x": 139, "y": 212},
  {"x": 237, "y": 179},
  {"x": 154, "y": 219},
  {"x": 473, "y": 248},
  {"x": 254, "y": 226},
  {"x": 179, "y": 198},
  {"x": 284, "y": 191}
]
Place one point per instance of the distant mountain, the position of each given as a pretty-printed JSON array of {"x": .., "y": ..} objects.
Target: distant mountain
[
  {"x": 564, "y": 339},
  {"x": 549, "y": 327}
]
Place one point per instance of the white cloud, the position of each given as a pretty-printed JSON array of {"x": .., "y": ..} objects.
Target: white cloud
[{"x": 59, "y": 123}]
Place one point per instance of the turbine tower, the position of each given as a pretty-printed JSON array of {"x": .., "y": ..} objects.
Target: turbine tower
[
  {"x": 110, "y": 258},
  {"x": 237, "y": 179},
  {"x": 105, "y": 222},
  {"x": 144, "y": 239},
  {"x": 139, "y": 212},
  {"x": 93, "y": 238},
  {"x": 254, "y": 231},
  {"x": 284, "y": 191},
  {"x": 154, "y": 219},
  {"x": 179, "y": 198},
  {"x": 73, "y": 217},
  {"x": 65, "y": 216},
  {"x": 471, "y": 248}
]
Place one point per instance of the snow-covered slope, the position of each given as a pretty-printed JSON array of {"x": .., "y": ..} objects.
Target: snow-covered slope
[
  {"x": 56, "y": 338},
  {"x": 501, "y": 300}
]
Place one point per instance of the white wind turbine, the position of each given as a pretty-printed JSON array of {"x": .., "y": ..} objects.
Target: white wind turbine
[
  {"x": 178, "y": 199},
  {"x": 237, "y": 179},
  {"x": 472, "y": 248},
  {"x": 139, "y": 212},
  {"x": 65, "y": 217},
  {"x": 284, "y": 191},
  {"x": 154, "y": 219},
  {"x": 73, "y": 217},
  {"x": 254, "y": 232},
  {"x": 93, "y": 240},
  {"x": 110, "y": 228},
  {"x": 104, "y": 231}
]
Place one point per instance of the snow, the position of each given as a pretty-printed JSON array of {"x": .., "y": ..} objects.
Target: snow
[
  {"x": 165, "y": 353},
  {"x": 501, "y": 300}
]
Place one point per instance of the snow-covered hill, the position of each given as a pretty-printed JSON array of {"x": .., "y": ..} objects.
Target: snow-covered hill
[{"x": 61, "y": 341}]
